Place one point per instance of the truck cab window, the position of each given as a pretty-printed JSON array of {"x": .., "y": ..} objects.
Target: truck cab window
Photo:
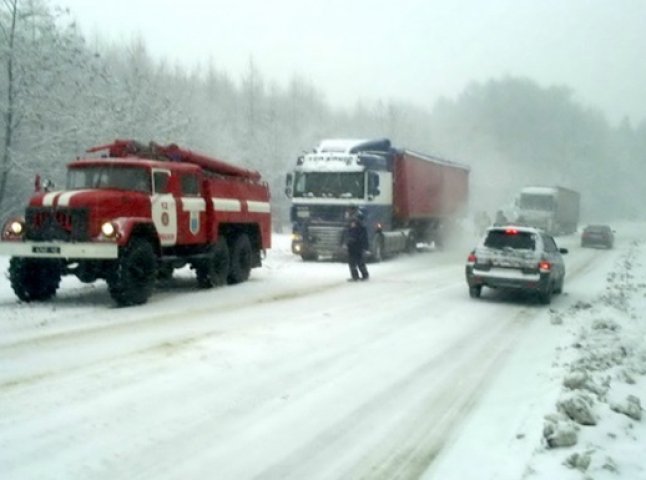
[
  {"x": 109, "y": 177},
  {"x": 329, "y": 184},
  {"x": 537, "y": 202},
  {"x": 189, "y": 185},
  {"x": 160, "y": 181}
]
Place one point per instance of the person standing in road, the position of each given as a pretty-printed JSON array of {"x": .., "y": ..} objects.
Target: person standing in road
[{"x": 356, "y": 240}]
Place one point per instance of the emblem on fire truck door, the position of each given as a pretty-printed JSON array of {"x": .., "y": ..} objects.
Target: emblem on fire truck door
[
  {"x": 194, "y": 207},
  {"x": 194, "y": 222}
]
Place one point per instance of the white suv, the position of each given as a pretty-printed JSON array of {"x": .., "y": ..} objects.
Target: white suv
[{"x": 515, "y": 257}]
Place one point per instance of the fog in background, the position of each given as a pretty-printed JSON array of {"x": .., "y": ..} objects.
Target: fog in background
[
  {"x": 523, "y": 92},
  {"x": 406, "y": 50}
]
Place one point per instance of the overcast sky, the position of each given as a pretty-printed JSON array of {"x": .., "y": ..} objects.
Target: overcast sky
[{"x": 412, "y": 50}]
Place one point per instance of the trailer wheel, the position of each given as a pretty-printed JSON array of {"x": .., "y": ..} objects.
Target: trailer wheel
[
  {"x": 133, "y": 278},
  {"x": 411, "y": 243},
  {"x": 240, "y": 266},
  {"x": 34, "y": 279},
  {"x": 213, "y": 272}
]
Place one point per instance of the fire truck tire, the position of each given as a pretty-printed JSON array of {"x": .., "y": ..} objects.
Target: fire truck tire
[
  {"x": 34, "y": 279},
  {"x": 133, "y": 279},
  {"x": 213, "y": 272},
  {"x": 241, "y": 254}
]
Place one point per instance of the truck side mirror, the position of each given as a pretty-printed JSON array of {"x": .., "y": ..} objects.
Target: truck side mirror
[
  {"x": 288, "y": 185},
  {"x": 48, "y": 185},
  {"x": 373, "y": 184}
]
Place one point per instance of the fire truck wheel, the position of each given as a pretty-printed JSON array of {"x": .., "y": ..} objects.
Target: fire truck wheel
[
  {"x": 240, "y": 259},
  {"x": 133, "y": 279},
  {"x": 34, "y": 279},
  {"x": 213, "y": 271}
]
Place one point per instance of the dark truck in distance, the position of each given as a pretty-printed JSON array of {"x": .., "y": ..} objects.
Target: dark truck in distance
[{"x": 518, "y": 258}]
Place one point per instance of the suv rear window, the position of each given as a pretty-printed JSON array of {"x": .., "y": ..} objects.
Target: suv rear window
[{"x": 517, "y": 240}]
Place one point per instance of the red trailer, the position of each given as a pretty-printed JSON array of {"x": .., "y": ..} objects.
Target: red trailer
[{"x": 427, "y": 187}]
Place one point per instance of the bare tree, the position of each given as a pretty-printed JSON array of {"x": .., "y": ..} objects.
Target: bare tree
[
  {"x": 8, "y": 21},
  {"x": 47, "y": 70}
]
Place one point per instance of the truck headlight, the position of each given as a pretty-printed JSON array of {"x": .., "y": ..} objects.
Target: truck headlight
[
  {"x": 108, "y": 230},
  {"x": 16, "y": 228}
]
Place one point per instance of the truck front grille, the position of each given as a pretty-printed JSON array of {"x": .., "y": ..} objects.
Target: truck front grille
[
  {"x": 326, "y": 240},
  {"x": 66, "y": 224}
]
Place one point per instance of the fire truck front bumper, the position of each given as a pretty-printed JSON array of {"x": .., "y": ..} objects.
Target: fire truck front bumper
[{"x": 63, "y": 250}]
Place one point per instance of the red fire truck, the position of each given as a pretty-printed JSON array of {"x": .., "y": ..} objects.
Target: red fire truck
[{"x": 133, "y": 215}]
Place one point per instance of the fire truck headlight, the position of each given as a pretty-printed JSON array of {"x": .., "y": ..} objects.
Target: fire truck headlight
[
  {"x": 16, "y": 228},
  {"x": 108, "y": 230}
]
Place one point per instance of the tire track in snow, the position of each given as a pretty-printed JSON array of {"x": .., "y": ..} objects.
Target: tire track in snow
[{"x": 427, "y": 403}]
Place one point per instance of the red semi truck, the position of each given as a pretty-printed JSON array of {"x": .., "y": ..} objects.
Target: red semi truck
[
  {"x": 406, "y": 197},
  {"x": 133, "y": 215}
]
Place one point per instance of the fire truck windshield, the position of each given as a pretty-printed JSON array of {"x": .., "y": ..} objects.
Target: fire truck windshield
[
  {"x": 329, "y": 184},
  {"x": 109, "y": 177}
]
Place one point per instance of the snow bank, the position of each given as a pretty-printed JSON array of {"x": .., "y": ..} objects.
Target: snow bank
[{"x": 596, "y": 429}]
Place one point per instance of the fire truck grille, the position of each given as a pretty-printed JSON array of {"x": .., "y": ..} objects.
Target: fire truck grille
[{"x": 66, "y": 224}]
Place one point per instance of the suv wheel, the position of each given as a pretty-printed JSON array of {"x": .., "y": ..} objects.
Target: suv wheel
[
  {"x": 474, "y": 292},
  {"x": 545, "y": 296}
]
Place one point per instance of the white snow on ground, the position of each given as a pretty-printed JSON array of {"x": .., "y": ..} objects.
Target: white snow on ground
[{"x": 299, "y": 374}]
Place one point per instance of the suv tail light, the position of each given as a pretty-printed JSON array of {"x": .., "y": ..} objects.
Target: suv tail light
[
  {"x": 544, "y": 266},
  {"x": 472, "y": 259}
]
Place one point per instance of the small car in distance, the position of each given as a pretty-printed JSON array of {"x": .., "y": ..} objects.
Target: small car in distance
[
  {"x": 598, "y": 236},
  {"x": 518, "y": 258}
]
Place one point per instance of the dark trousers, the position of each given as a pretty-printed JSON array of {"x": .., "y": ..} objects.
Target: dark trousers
[{"x": 357, "y": 264}]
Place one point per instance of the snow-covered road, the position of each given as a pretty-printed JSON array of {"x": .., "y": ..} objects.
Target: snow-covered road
[{"x": 296, "y": 374}]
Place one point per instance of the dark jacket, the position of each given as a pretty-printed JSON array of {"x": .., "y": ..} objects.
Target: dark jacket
[{"x": 356, "y": 236}]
